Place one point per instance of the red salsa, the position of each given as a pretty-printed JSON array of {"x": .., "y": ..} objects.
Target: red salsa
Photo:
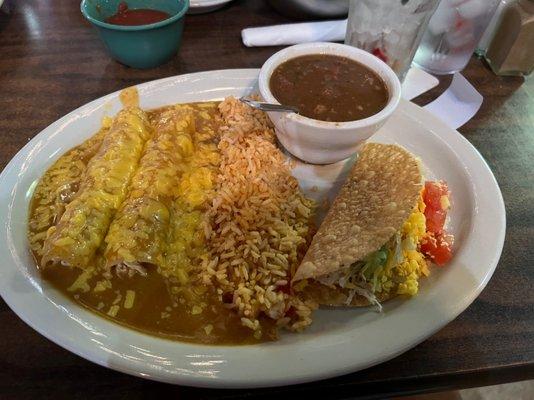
[{"x": 140, "y": 16}]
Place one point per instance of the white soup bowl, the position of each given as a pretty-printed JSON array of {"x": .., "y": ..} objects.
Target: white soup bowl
[{"x": 322, "y": 142}]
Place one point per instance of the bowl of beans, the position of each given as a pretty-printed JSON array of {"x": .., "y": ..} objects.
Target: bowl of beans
[{"x": 343, "y": 96}]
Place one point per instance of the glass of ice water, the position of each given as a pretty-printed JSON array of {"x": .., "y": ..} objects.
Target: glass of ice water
[
  {"x": 390, "y": 29},
  {"x": 452, "y": 35}
]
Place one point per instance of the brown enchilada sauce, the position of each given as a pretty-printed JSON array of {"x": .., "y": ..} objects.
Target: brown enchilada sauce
[{"x": 155, "y": 310}]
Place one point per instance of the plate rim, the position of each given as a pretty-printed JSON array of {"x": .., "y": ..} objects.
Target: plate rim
[
  {"x": 208, "y": 3},
  {"x": 206, "y": 6},
  {"x": 200, "y": 381}
]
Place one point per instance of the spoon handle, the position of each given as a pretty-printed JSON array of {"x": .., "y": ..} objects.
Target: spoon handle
[{"x": 268, "y": 106}]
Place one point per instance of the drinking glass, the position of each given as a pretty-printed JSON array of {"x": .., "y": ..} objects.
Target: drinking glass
[
  {"x": 389, "y": 29},
  {"x": 452, "y": 35}
]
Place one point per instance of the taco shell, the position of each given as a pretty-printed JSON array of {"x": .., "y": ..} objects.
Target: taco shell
[{"x": 381, "y": 192}]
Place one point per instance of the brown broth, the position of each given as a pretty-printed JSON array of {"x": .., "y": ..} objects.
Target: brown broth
[
  {"x": 329, "y": 88},
  {"x": 155, "y": 310}
]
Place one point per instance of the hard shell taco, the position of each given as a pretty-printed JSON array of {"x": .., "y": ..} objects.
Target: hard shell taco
[{"x": 380, "y": 235}]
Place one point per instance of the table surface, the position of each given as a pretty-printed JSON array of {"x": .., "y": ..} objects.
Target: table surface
[{"x": 52, "y": 62}]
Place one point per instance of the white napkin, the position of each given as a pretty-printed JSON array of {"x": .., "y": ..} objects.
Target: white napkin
[
  {"x": 276, "y": 35},
  {"x": 458, "y": 104},
  {"x": 417, "y": 82}
]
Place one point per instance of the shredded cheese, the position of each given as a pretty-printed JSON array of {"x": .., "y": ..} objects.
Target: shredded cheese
[
  {"x": 208, "y": 328},
  {"x": 129, "y": 299},
  {"x": 113, "y": 310}
]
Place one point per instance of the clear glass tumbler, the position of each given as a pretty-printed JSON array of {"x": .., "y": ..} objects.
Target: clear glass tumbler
[
  {"x": 389, "y": 29},
  {"x": 452, "y": 35}
]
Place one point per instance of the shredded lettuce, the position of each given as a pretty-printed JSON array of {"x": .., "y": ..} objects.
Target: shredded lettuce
[
  {"x": 374, "y": 262},
  {"x": 363, "y": 277},
  {"x": 397, "y": 249},
  {"x": 366, "y": 277},
  {"x": 368, "y": 294},
  {"x": 354, "y": 281}
]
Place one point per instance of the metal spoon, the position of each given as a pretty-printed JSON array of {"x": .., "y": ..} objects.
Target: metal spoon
[{"x": 268, "y": 106}]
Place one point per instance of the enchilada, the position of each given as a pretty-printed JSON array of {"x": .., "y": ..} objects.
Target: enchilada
[
  {"x": 83, "y": 226},
  {"x": 137, "y": 236}
]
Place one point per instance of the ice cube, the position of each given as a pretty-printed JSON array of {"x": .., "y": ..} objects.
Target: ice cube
[
  {"x": 461, "y": 35},
  {"x": 443, "y": 18},
  {"x": 393, "y": 38}
]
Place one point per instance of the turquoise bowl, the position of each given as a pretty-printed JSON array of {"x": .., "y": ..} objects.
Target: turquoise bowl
[{"x": 139, "y": 46}]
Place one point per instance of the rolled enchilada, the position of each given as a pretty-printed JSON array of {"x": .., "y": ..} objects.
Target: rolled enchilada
[
  {"x": 103, "y": 186},
  {"x": 57, "y": 188},
  {"x": 138, "y": 234},
  {"x": 186, "y": 238}
]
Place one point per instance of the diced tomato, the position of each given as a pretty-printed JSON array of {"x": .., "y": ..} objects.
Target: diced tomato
[
  {"x": 285, "y": 288},
  {"x": 291, "y": 312},
  {"x": 435, "y": 219},
  {"x": 437, "y": 244},
  {"x": 433, "y": 192},
  {"x": 435, "y": 212},
  {"x": 437, "y": 248}
]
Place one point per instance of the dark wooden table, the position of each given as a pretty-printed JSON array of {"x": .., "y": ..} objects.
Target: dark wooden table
[{"x": 51, "y": 62}]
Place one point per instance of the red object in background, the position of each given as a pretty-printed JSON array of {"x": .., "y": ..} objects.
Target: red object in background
[
  {"x": 141, "y": 16},
  {"x": 380, "y": 54}
]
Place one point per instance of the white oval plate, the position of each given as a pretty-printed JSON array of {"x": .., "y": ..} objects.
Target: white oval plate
[{"x": 339, "y": 341}]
